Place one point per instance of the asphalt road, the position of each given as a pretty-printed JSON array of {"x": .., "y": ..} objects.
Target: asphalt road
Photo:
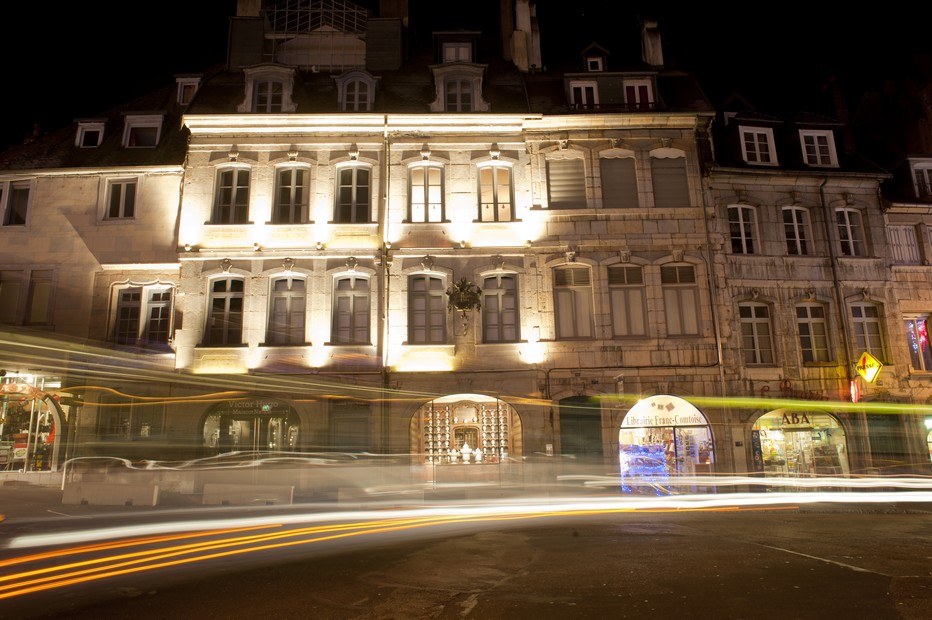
[{"x": 813, "y": 561}]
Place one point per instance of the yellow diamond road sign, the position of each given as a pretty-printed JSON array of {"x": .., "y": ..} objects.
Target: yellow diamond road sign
[{"x": 868, "y": 366}]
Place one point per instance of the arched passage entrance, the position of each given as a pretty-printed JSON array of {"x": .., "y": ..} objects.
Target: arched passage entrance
[
  {"x": 464, "y": 429},
  {"x": 256, "y": 424},
  {"x": 798, "y": 443},
  {"x": 662, "y": 436}
]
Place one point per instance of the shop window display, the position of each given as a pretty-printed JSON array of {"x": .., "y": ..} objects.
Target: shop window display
[{"x": 799, "y": 444}]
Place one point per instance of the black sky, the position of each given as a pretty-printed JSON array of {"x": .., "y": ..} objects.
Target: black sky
[{"x": 62, "y": 61}]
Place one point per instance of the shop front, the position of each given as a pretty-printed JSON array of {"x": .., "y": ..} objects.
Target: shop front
[
  {"x": 252, "y": 425},
  {"x": 799, "y": 444},
  {"x": 30, "y": 425},
  {"x": 663, "y": 436}
]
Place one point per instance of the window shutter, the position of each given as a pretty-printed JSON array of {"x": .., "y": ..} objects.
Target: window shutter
[
  {"x": 566, "y": 184},
  {"x": 619, "y": 183},
  {"x": 670, "y": 186}
]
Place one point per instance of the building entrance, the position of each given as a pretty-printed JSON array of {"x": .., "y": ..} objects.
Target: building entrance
[{"x": 255, "y": 425}]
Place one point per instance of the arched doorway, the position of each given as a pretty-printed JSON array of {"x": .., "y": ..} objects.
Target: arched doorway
[
  {"x": 798, "y": 443},
  {"x": 663, "y": 436},
  {"x": 466, "y": 429},
  {"x": 257, "y": 425}
]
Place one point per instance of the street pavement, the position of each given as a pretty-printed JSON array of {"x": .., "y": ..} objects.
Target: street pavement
[{"x": 785, "y": 562}]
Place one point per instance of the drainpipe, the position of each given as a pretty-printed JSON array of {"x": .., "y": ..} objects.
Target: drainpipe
[{"x": 383, "y": 323}]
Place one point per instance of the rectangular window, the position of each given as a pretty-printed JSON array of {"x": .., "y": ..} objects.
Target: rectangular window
[
  {"x": 818, "y": 148},
  {"x": 584, "y": 95},
  {"x": 671, "y": 188},
  {"x": 425, "y": 194},
  {"x": 500, "y": 309},
  {"x": 742, "y": 227},
  {"x": 121, "y": 199},
  {"x": 917, "y": 336},
  {"x": 495, "y": 194},
  {"x": 457, "y": 52},
  {"x": 922, "y": 176},
  {"x": 350, "y": 311},
  {"x": 680, "y": 300},
  {"x": 813, "y": 333},
  {"x": 119, "y": 420},
  {"x": 566, "y": 184},
  {"x": 268, "y": 96},
  {"x": 572, "y": 288},
  {"x": 356, "y": 96},
  {"x": 628, "y": 301},
  {"x": 638, "y": 94},
  {"x": 867, "y": 330},
  {"x": 353, "y": 195},
  {"x": 287, "y": 302},
  {"x": 17, "y": 203},
  {"x": 619, "y": 183},
  {"x": 904, "y": 245},
  {"x": 796, "y": 231},
  {"x": 291, "y": 196},
  {"x": 459, "y": 96},
  {"x": 225, "y": 321},
  {"x": 143, "y": 316},
  {"x": 757, "y": 146},
  {"x": 142, "y": 131},
  {"x": 38, "y": 307},
  {"x": 756, "y": 334},
  {"x": 850, "y": 232},
  {"x": 11, "y": 287},
  {"x": 89, "y": 135},
  {"x": 427, "y": 321},
  {"x": 231, "y": 205}
]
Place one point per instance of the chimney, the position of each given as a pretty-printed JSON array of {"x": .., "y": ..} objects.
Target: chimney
[
  {"x": 248, "y": 8},
  {"x": 651, "y": 47}
]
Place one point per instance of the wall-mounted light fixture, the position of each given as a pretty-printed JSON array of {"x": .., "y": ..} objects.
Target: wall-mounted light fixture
[{"x": 320, "y": 245}]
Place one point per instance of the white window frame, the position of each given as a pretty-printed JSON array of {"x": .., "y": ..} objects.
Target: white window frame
[
  {"x": 500, "y": 318},
  {"x": 818, "y": 148},
  {"x": 357, "y": 96},
  {"x": 351, "y": 308},
  {"x": 595, "y": 64},
  {"x": 16, "y": 199},
  {"x": 347, "y": 197},
  {"x": 867, "y": 325},
  {"x": 573, "y": 303},
  {"x": 922, "y": 179},
  {"x": 230, "y": 330},
  {"x": 267, "y": 74},
  {"x": 235, "y": 210},
  {"x": 427, "y": 313},
  {"x": 639, "y": 94},
  {"x": 680, "y": 299},
  {"x": 812, "y": 330},
  {"x": 756, "y": 334},
  {"x": 584, "y": 94},
  {"x": 90, "y": 134},
  {"x": 292, "y": 198},
  {"x": 496, "y": 204},
  {"x": 904, "y": 244},
  {"x": 140, "y": 311},
  {"x": 135, "y": 124},
  {"x": 287, "y": 311},
  {"x": 456, "y": 51},
  {"x": 459, "y": 94},
  {"x": 628, "y": 300},
  {"x": 757, "y": 145},
  {"x": 797, "y": 231},
  {"x": 119, "y": 202},
  {"x": 187, "y": 88},
  {"x": 426, "y": 201},
  {"x": 850, "y": 227},
  {"x": 742, "y": 229}
]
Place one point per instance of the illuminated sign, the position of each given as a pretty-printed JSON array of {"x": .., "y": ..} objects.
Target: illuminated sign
[{"x": 868, "y": 366}]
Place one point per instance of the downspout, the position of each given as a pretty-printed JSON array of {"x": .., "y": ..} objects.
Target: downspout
[{"x": 383, "y": 323}]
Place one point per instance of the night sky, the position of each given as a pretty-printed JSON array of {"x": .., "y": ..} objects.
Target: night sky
[{"x": 80, "y": 60}]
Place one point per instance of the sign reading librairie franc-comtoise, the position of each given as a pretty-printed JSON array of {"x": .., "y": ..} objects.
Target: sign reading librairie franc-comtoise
[{"x": 663, "y": 411}]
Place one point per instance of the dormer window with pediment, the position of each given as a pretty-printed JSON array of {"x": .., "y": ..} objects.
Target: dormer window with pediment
[
  {"x": 142, "y": 130},
  {"x": 458, "y": 88},
  {"x": 90, "y": 133},
  {"x": 595, "y": 63},
  {"x": 356, "y": 91},
  {"x": 269, "y": 89}
]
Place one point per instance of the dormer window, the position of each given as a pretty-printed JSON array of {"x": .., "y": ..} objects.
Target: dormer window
[
  {"x": 757, "y": 145},
  {"x": 639, "y": 94},
  {"x": 818, "y": 148},
  {"x": 269, "y": 90},
  {"x": 584, "y": 94},
  {"x": 922, "y": 179},
  {"x": 457, "y": 51},
  {"x": 187, "y": 87},
  {"x": 142, "y": 131},
  {"x": 90, "y": 134},
  {"x": 458, "y": 88},
  {"x": 595, "y": 64},
  {"x": 355, "y": 91}
]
